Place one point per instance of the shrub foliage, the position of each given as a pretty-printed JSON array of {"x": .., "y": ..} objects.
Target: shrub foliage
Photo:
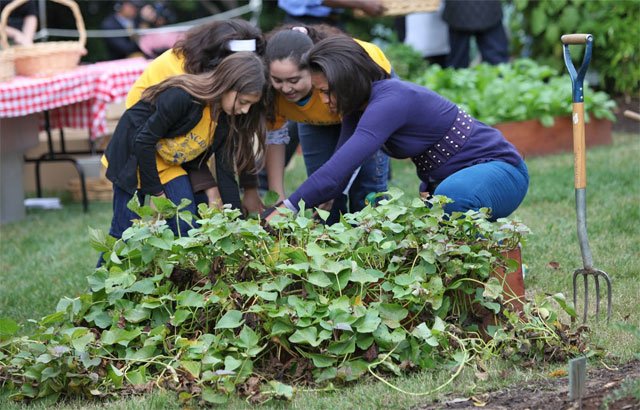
[{"x": 538, "y": 25}]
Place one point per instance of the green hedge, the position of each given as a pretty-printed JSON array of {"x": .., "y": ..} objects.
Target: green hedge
[
  {"x": 536, "y": 27},
  {"x": 518, "y": 91}
]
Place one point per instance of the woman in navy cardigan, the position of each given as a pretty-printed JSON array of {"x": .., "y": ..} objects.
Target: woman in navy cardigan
[{"x": 455, "y": 155}]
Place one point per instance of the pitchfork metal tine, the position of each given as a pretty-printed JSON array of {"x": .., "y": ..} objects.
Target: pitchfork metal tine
[
  {"x": 597, "y": 274},
  {"x": 586, "y": 297},
  {"x": 597, "y": 282},
  {"x": 607, "y": 279}
]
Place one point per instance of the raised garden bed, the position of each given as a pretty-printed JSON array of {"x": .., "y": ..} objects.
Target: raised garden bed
[
  {"x": 530, "y": 103},
  {"x": 532, "y": 138}
]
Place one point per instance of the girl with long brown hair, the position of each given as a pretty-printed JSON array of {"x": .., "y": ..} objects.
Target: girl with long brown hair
[
  {"x": 177, "y": 125},
  {"x": 201, "y": 50}
]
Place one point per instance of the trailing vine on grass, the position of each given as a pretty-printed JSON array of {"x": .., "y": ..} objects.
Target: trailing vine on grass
[{"x": 235, "y": 309}]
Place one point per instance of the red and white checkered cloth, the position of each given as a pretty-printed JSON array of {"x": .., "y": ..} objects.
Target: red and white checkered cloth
[{"x": 74, "y": 99}]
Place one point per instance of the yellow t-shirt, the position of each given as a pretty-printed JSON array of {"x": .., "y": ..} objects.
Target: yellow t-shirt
[
  {"x": 162, "y": 67},
  {"x": 184, "y": 148},
  {"x": 315, "y": 112},
  {"x": 376, "y": 55},
  {"x": 172, "y": 152}
]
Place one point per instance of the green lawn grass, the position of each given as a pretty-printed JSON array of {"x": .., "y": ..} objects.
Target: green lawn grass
[{"x": 47, "y": 256}]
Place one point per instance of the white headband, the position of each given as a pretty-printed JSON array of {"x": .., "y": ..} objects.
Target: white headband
[
  {"x": 303, "y": 30},
  {"x": 242, "y": 45}
]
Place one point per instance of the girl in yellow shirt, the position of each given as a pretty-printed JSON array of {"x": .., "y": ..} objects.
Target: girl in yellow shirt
[{"x": 292, "y": 98}]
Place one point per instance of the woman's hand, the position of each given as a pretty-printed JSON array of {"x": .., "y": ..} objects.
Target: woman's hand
[
  {"x": 326, "y": 206},
  {"x": 18, "y": 37},
  {"x": 251, "y": 202},
  {"x": 271, "y": 212},
  {"x": 213, "y": 195}
]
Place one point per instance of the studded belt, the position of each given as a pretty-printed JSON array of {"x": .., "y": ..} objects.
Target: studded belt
[{"x": 440, "y": 152}]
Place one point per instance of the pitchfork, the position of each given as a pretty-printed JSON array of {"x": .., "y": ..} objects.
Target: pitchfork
[{"x": 579, "y": 151}]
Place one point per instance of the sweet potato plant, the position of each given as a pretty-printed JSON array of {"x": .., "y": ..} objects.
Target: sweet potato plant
[{"x": 233, "y": 308}]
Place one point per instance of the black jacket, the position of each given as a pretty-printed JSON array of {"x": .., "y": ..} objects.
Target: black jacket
[{"x": 132, "y": 148}]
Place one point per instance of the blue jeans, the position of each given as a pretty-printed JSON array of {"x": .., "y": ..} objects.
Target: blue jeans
[
  {"x": 496, "y": 185},
  {"x": 175, "y": 190},
  {"x": 318, "y": 143}
]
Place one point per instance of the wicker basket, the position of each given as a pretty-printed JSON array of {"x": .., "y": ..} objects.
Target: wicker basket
[
  {"x": 47, "y": 58},
  {"x": 7, "y": 70},
  {"x": 98, "y": 189},
  {"x": 404, "y": 7}
]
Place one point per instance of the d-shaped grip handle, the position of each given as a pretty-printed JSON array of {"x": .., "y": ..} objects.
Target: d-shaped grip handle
[{"x": 575, "y": 38}]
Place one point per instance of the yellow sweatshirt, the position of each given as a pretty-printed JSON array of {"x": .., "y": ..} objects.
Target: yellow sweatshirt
[{"x": 172, "y": 152}]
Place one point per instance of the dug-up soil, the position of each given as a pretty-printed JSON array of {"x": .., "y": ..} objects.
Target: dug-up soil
[{"x": 601, "y": 385}]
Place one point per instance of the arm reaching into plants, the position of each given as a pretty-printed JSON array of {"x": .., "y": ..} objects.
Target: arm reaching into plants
[
  {"x": 251, "y": 202},
  {"x": 471, "y": 163},
  {"x": 372, "y": 8},
  {"x": 275, "y": 164},
  {"x": 214, "y": 198}
]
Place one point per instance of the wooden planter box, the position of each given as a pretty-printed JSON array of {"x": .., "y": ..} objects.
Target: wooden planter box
[
  {"x": 531, "y": 138},
  {"x": 98, "y": 189},
  {"x": 513, "y": 293}
]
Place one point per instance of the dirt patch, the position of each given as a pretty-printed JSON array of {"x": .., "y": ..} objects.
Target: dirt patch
[{"x": 601, "y": 383}]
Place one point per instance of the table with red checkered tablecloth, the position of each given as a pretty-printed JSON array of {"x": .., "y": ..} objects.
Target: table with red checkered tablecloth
[{"x": 74, "y": 99}]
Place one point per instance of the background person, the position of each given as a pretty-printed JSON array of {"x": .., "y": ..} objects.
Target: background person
[
  {"x": 22, "y": 23},
  {"x": 455, "y": 155},
  {"x": 156, "y": 15},
  {"x": 429, "y": 35},
  {"x": 124, "y": 17},
  {"x": 327, "y": 11},
  {"x": 481, "y": 19}
]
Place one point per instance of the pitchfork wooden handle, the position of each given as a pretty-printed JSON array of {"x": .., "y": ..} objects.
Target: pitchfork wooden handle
[
  {"x": 632, "y": 115},
  {"x": 574, "y": 38},
  {"x": 579, "y": 146}
]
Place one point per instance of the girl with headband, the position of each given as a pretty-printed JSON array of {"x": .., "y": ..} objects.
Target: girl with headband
[{"x": 293, "y": 98}]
